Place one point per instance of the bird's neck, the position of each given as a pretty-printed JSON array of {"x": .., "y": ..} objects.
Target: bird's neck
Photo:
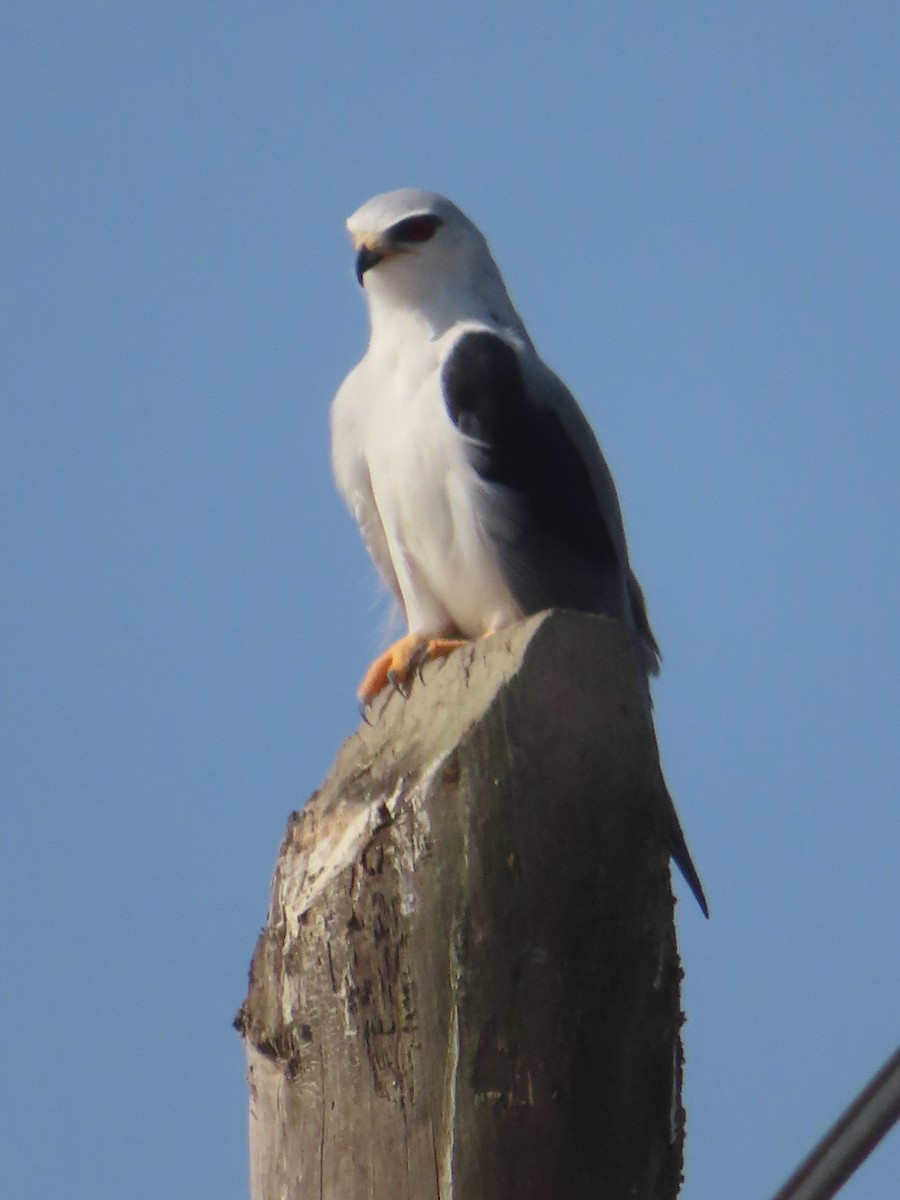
[{"x": 398, "y": 314}]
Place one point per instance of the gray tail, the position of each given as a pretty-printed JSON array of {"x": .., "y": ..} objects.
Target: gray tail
[{"x": 681, "y": 856}]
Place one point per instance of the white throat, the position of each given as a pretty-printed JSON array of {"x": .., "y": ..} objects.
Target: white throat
[{"x": 401, "y": 300}]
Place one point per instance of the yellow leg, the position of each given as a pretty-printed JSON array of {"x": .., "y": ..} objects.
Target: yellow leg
[{"x": 400, "y": 662}]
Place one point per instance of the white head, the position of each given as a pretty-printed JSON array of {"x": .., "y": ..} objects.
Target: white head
[{"x": 416, "y": 250}]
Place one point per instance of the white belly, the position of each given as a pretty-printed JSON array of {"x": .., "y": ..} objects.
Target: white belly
[{"x": 440, "y": 519}]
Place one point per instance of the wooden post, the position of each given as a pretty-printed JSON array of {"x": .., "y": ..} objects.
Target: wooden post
[{"x": 468, "y": 987}]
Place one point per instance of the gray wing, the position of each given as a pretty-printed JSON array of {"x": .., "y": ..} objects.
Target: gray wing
[
  {"x": 566, "y": 544},
  {"x": 368, "y": 518},
  {"x": 351, "y": 473},
  {"x": 566, "y": 547}
]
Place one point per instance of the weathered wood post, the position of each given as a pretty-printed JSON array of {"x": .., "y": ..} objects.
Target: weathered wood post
[{"x": 468, "y": 987}]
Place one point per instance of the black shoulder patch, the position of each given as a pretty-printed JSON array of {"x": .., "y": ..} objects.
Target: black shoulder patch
[
  {"x": 524, "y": 447},
  {"x": 481, "y": 377}
]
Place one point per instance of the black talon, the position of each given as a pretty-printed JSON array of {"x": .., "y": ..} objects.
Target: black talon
[
  {"x": 364, "y": 712},
  {"x": 400, "y": 688},
  {"x": 417, "y": 663}
]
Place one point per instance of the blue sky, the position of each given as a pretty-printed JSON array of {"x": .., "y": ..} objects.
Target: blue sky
[{"x": 695, "y": 208}]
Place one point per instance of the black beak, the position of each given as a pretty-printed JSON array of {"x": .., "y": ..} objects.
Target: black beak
[{"x": 365, "y": 259}]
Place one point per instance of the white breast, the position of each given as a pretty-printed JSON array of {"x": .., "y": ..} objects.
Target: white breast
[{"x": 410, "y": 472}]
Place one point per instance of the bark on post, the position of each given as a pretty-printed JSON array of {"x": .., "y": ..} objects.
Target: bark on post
[{"x": 468, "y": 987}]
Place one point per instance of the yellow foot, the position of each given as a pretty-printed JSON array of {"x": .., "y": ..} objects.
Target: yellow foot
[{"x": 399, "y": 663}]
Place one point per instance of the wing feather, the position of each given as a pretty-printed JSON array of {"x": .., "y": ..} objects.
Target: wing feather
[
  {"x": 351, "y": 472},
  {"x": 566, "y": 545}
]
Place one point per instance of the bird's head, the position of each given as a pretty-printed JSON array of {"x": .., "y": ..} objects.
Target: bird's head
[{"x": 416, "y": 249}]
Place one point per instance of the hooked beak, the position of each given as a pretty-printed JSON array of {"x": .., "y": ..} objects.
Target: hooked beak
[{"x": 366, "y": 258}]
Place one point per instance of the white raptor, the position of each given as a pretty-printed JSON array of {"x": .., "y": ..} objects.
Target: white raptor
[{"x": 476, "y": 480}]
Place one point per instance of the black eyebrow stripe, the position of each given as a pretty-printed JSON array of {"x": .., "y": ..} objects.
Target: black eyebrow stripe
[{"x": 396, "y": 231}]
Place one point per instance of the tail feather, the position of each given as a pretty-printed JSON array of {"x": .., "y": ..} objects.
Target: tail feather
[{"x": 681, "y": 856}]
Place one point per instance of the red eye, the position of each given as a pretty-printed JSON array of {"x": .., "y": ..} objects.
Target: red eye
[{"x": 415, "y": 229}]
